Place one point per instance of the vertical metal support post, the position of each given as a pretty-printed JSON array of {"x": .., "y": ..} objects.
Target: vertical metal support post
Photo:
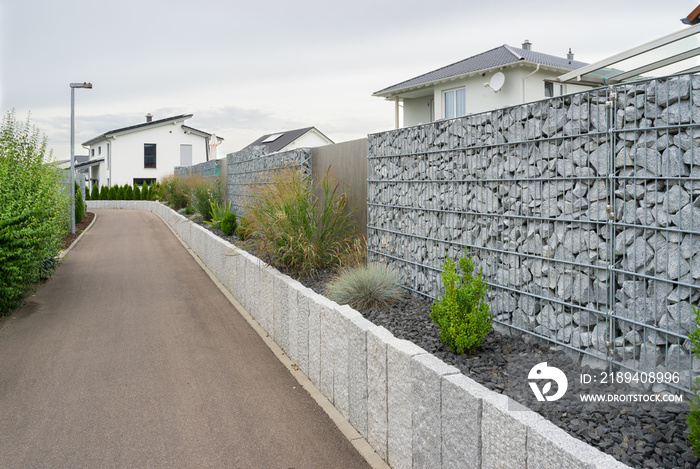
[{"x": 72, "y": 160}]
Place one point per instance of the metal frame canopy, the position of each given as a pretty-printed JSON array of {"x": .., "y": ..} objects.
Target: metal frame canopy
[{"x": 675, "y": 53}]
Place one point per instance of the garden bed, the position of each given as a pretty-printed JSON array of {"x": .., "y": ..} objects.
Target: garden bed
[{"x": 639, "y": 435}]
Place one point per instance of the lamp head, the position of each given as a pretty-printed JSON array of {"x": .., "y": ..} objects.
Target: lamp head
[{"x": 81, "y": 85}]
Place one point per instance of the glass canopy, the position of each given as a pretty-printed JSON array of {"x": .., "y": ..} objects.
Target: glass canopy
[{"x": 676, "y": 53}]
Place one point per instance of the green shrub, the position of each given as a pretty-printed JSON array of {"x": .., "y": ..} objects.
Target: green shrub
[
  {"x": 95, "y": 194},
  {"x": 128, "y": 192},
  {"x": 121, "y": 193},
  {"x": 79, "y": 204},
  {"x": 228, "y": 224},
  {"x": 113, "y": 193},
  {"x": 34, "y": 209},
  {"x": 154, "y": 192},
  {"x": 144, "y": 192},
  {"x": 366, "y": 287},
  {"x": 104, "y": 193},
  {"x": 298, "y": 228},
  {"x": 244, "y": 230},
  {"x": 136, "y": 193},
  {"x": 218, "y": 212},
  {"x": 693, "y": 418},
  {"x": 87, "y": 192},
  {"x": 461, "y": 313}
]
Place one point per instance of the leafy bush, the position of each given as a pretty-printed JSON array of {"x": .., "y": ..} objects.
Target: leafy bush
[
  {"x": 34, "y": 209},
  {"x": 366, "y": 286},
  {"x": 79, "y": 204},
  {"x": 228, "y": 224},
  {"x": 693, "y": 418},
  {"x": 461, "y": 313},
  {"x": 244, "y": 229},
  {"x": 298, "y": 228}
]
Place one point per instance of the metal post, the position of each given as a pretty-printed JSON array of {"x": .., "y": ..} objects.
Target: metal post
[{"x": 72, "y": 159}]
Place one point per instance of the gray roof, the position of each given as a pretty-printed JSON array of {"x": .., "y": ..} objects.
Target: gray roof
[
  {"x": 503, "y": 55},
  {"x": 282, "y": 141},
  {"x": 137, "y": 126}
]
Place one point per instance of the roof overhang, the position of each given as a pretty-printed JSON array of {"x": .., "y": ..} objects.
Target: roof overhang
[
  {"x": 425, "y": 89},
  {"x": 87, "y": 164},
  {"x": 675, "y": 53}
]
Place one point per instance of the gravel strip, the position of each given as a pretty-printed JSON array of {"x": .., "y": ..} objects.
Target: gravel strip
[{"x": 638, "y": 434}]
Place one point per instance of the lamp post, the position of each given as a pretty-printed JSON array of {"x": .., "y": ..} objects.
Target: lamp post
[{"x": 73, "y": 86}]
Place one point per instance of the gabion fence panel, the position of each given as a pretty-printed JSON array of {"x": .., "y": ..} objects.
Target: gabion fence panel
[
  {"x": 583, "y": 212},
  {"x": 206, "y": 169},
  {"x": 252, "y": 166}
]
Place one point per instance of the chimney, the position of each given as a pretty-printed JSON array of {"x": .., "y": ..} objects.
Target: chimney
[
  {"x": 570, "y": 55},
  {"x": 527, "y": 45},
  {"x": 149, "y": 117}
]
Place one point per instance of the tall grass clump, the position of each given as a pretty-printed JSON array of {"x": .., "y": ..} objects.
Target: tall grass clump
[
  {"x": 176, "y": 191},
  {"x": 205, "y": 192},
  {"x": 365, "y": 287},
  {"x": 34, "y": 209},
  {"x": 297, "y": 226},
  {"x": 461, "y": 312}
]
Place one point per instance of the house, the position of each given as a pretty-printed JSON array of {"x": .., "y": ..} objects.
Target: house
[
  {"x": 500, "y": 77},
  {"x": 143, "y": 153},
  {"x": 307, "y": 137}
]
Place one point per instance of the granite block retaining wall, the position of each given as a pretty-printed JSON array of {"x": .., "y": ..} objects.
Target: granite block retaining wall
[
  {"x": 583, "y": 211},
  {"x": 415, "y": 410}
]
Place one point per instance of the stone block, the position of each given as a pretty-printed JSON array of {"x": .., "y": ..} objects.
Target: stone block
[
  {"x": 427, "y": 373},
  {"x": 461, "y": 421},
  {"x": 504, "y": 432},
  {"x": 316, "y": 304},
  {"x": 265, "y": 302},
  {"x": 302, "y": 329},
  {"x": 377, "y": 339},
  {"x": 399, "y": 357},
  {"x": 293, "y": 291},
  {"x": 357, "y": 369},
  {"x": 550, "y": 447}
]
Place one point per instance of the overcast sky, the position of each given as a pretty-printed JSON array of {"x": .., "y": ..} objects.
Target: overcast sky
[{"x": 249, "y": 68}]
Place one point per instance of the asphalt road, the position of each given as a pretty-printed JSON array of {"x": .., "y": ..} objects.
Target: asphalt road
[{"x": 130, "y": 357}]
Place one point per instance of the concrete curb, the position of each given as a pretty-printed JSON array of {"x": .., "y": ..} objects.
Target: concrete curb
[{"x": 413, "y": 409}]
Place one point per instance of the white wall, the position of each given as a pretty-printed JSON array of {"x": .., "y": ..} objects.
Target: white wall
[
  {"x": 417, "y": 110},
  {"x": 127, "y": 153},
  {"x": 310, "y": 139}
]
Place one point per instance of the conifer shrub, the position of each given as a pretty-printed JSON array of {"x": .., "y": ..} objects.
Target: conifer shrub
[
  {"x": 228, "y": 224},
  {"x": 95, "y": 194},
  {"x": 87, "y": 192},
  {"x": 121, "y": 193},
  {"x": 136, "y": 193},
  {"x": 113, "y": 193},
  {"x": 128, "y": 192},
  {"x": 693, "y": 418},
  {"x": 144, "y": 192},
  {"x": 79, "y": 205},
  {"x": 461, "y": 313},
  {"x": 104, "y": 193},
  {"x": 364, "y": 287}
]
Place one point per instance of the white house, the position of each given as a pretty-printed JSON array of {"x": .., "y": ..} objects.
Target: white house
[
  {"x": 307, "y": 137},
  {"x": 501, "y": 77},
  {"x": 144, "y": 153}
]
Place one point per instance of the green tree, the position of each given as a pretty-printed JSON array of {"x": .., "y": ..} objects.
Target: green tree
[
  {"x": 104, "y": 193},
  {"x": 34, "y": 209},
  {"x": 95, "y": 195},
  {"x": 79, "y": 204},
  {"x": 137, "y": 193},
  {"x": 144, "y": 192}
]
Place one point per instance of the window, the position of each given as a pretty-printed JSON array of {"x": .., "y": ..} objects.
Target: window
[
  {"x": 149, "y": 155},
  {"x": 92, "y": 152},
  {"x": 99, "y": 150},
  {"x": 550, "y": 88},
  {"x": 455, "y": 103},
  {"x": 141, "y": 181}
]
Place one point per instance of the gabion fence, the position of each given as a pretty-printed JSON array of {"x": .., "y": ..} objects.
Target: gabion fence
[
  {"x": 583, "y": 211},
  {"x": 252, "y": 166},
  {"x": 206, "y": 169}
]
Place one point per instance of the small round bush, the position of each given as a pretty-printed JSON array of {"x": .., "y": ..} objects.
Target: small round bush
[
  {"x": 228, "y": 224},
  {"x": 366, "y": 287}
]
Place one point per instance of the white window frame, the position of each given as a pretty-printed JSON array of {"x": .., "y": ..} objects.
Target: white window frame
[{"x": 452, "y": 95}]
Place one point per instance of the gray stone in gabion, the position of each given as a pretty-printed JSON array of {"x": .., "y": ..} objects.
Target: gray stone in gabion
[
  {"x": 687, "y": 218},
  {"x": 683, "y": 317},
  {"x": 600, "y": 159},
  {"x": 638, "y": 255},
  {"x": 599, "y": 337},
  {"x": 580, "y": 337}
]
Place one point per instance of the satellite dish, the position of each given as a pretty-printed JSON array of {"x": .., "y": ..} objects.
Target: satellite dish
[{"x": 497, "y": 81}]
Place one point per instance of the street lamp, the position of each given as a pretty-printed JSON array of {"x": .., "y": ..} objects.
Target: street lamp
[{"x": 73, "y": 86}]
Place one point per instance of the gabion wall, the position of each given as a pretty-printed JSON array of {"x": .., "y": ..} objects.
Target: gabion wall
[
  {"x": 252, "y": 166},
  {"x": 206, "y": 169},
  {"x": 583, "y": 211}
]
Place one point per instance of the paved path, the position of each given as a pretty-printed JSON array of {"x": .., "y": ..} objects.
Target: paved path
[{"x": 131, "y": 357}]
